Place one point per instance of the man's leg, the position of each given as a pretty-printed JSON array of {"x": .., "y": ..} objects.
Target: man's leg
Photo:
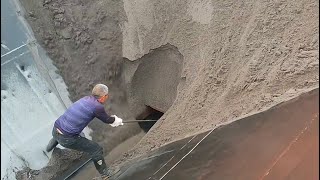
[
  {"x": 93, "y": 149},
  {"x": 52, "y": 144},
  {"x": 85, "y": 145}
]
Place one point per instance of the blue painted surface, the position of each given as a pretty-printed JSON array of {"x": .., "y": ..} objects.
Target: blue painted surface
[
  {"x": 30, "y": 99},
  {"x": 13, "y": 33}
]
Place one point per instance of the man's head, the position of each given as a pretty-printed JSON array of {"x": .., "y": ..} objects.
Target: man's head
[{"x": 101, "y": 92}]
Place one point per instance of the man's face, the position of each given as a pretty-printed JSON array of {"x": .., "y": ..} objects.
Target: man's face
[{"x": 104, "y": 98}]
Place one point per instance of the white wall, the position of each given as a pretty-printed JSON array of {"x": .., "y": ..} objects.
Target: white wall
[{"x": 33, "y": 96}]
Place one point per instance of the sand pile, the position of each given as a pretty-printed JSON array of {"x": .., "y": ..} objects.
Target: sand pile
[{"x": 238, "y": 57}]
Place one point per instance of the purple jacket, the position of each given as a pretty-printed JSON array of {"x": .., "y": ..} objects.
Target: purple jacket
[{"x": 79, "y": 115}]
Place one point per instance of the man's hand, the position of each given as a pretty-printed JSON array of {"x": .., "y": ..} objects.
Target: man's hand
[{"x": 117, "y": 121}]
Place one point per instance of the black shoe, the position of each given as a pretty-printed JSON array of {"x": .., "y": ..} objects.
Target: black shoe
[
  {"x": 105, "y": 175},
  {"x": 110, "y": 172},
  {"x": 52, "y": 144}
]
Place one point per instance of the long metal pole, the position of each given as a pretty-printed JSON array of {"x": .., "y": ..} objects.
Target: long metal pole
[{"x": 132, "y": 121}]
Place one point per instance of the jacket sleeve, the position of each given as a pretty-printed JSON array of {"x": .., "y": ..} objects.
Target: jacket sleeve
[{"x": 103, "y": 116}]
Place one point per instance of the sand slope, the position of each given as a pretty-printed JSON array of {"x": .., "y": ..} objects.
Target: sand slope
[{"x": 239, "y": 57}]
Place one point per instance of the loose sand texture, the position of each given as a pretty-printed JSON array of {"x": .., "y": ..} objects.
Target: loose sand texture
[
  {"x": 239, "y": 58},
  {"x": 235, "y": 58}
]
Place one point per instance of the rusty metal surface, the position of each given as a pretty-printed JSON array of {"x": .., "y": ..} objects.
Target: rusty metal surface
[{"x": 281, "y": 143}]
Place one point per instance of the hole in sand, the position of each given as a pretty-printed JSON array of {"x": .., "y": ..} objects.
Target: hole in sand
[
  {"x": 153, "y": 90},
  {"x": 152, "y": 114}
]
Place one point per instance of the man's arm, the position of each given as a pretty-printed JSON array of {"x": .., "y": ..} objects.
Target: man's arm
[{"x": 103, "y": 116}]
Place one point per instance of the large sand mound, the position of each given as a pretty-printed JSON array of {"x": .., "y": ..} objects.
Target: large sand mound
[
  {"x": 240, "y": 57},
  {"x": 237, "y": 57}
]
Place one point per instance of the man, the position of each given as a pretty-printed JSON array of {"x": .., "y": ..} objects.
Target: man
[{"x": 67, "y": 128}]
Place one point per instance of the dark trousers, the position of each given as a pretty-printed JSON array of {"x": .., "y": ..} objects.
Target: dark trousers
[{"x": 83, "y": 144}]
